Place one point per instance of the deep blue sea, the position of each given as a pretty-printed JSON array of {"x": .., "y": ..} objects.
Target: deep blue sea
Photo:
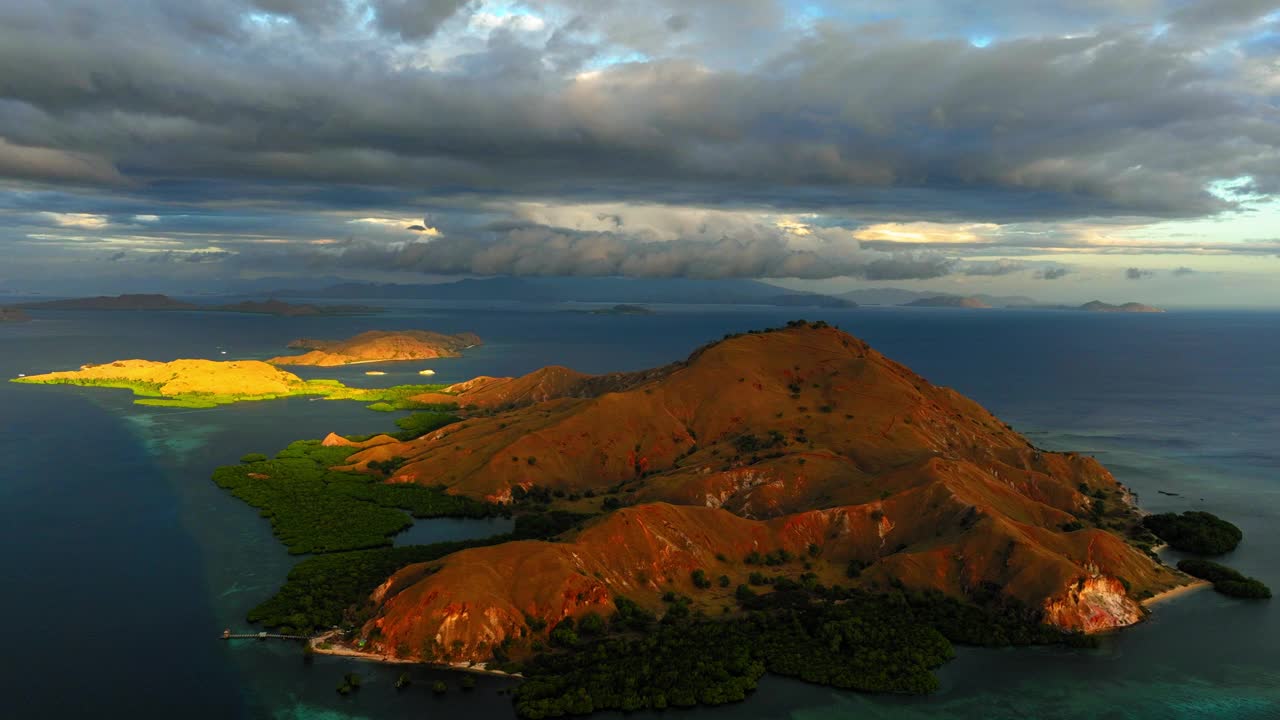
[{"x": 122, "y": 562}]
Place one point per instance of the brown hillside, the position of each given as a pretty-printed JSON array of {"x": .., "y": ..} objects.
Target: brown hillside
[
  {"x": 772, "y": 440},
  {"x": 548, "y": 383},
  {"x": 378, "y": 346}
]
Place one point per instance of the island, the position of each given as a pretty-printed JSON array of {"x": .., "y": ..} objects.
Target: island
[
  {"x": 284, "y": 309},
  {"x": 132, "y": 301},
  {"x": 617, "y": 310},
  {"x": 787, "y": 501},
  {"x": 164, "y": 302},
  {"x": 13, "y": 315},
  {"x": 1129, "y": 307},
  {"x": 1098, "y": 306},
  {"x": 948, "y": 301},
  {"x": 195, "y": 383},
  {"x": 378, "y": 346}
]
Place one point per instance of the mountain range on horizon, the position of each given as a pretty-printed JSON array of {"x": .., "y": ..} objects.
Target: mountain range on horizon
[
  {"x": 615, "y": 290},
  {"x": 582, "y": 289}
]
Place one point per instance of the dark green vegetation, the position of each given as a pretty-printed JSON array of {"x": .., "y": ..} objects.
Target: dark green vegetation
[
  {"x": 314, "y": 509},
  {"x": 1194, "y": 531},
  {"x": 332, "y": 589},
  {"x": 849, "y": 639},
  {"x": 1227, "y": 581},
  {"x": 421, "y": 423},
  {"x": 350, "y": 517},
  {"x": 322, "y": 591},
  {"x": 397, "y": 397}
]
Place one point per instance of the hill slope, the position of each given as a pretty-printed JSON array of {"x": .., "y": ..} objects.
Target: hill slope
[{"x": 804, "y": 440}]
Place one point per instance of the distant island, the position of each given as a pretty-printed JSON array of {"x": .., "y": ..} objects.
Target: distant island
[
  {"x": 617, "y": 310},
  {"x": 901, "y": 296},
  {"x": 378, "y": 346},
  {"x": 114, "y": 302},
  {"x": 279, "y": 307},
  {"x": 1101, "y": 307},
  {"x": 692, "y": 526},
  {"x": 948, "y": 301},
  {"x": 816, "y": 300},
  {"x": 164, "y": 302},
  {"x": 194, "y": 383},
  {"x": 13, "y": 315},
  {"x": 1129, "y": 307}
]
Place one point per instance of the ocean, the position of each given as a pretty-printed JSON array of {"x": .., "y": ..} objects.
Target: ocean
[{"x": 123, "y": 562}]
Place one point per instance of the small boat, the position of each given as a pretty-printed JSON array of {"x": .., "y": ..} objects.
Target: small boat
[
  {"x": 426, "y": 372},
  {"x": 374, "y": 372}
]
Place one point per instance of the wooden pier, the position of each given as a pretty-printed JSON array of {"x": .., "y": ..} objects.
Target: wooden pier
[{"x": 228, "y": 635}]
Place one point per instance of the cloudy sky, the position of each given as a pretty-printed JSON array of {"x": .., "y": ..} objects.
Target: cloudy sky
[{"x": 1121, "y": 149}]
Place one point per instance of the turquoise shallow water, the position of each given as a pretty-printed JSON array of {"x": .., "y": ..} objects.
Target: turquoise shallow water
[{"x": 123, "y": 561}]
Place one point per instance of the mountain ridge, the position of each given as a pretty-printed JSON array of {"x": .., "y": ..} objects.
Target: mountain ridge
[{"x": 798, "y": 439}]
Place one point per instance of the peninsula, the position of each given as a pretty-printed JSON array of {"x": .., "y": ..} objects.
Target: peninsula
[
  {"x": 773, "y": 489},
  {"x": 378, "y": 346},
  {"x": 208, "y": 383}
]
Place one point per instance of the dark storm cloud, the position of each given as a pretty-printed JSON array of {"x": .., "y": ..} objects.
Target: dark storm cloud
[
  {"x": 257, "y": 126},
  {"x": 308, "y": 13},
  {"x": 1134, "y": 273},
  {"x": 413, "y": 19},
  {"x": 548, "y": 251},
  {"x": 993, "y": 268},
  {"x": 171, "y": 256},
  {"x": 1201, "y": 16},
  {"x": 1054, "y": 273},
  {"x": 1113, "y": 123}
]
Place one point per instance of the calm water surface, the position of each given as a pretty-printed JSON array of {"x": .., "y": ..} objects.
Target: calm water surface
[{"x": 123, "y": 562}]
